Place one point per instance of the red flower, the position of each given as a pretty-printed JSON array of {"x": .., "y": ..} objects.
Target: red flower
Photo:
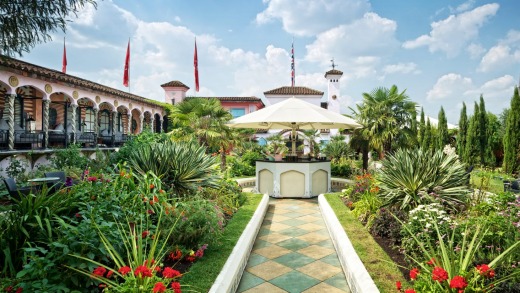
[
  {"x": 398, "y": 285},
  {"x": 20, "y": 290},
  {"x": 176, "y": 255},
  {"x": 431, "y": 261},
  {"x": 439, "y": 274},
  {"x": 110, "y": 273},
  {"x": 155, "y": 199},
  {"x": 409, "y": 291},
  {"x": 157, "y": 269},
  {"x": 124, "y": 270},
  {"x": 176, "y": 286},
  {"x": 413, "y": 273},
  {"x": 458, "y": 282},
  {"x": 159, "y": 287},
  {"x": 170, "y": 273},
  {"x": 161, "y": 191},
  {"x": 485, "y": 270},
  {"x": 9, "y": 289},
  {"x": 99, "y": 271},
  {"x": 143, "y": 271},
  {"x": 152, "y": 186},
  {"x": 190, "y": 258},
  {"x": 145, "y": 234},
  {"x": 92, "y": 179},
  {"x": 150, "y": 212}
]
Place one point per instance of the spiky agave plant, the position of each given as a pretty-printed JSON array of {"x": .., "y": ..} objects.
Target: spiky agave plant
[
  {"x": 410, "y": 177},
  {"x": 182, "y": 166}
]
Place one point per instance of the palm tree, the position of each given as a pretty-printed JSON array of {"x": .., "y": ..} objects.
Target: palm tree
[
  {"x": 204, "y": 120},
  {"x": 386, "y": 115}
]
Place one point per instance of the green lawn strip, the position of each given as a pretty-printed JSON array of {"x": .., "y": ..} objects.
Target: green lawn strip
[
  {"x": 203, "y": 273},
  {"x": 495, "y": 185},
  {"x": 379, "y": 265}
]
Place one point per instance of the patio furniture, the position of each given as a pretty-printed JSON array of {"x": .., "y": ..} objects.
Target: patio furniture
[
  {"x": 15, "y": 191},
  {"x": 512, "y": 186}
]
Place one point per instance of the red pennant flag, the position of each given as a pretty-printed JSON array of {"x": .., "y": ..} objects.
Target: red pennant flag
[
  {"x": 126, "y": 75},
  {"x": 64, "y": 61},
  {"x": 196, "y": 65}
]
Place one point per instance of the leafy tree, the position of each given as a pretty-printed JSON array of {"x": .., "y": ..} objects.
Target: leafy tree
[
  {"x": 26, "y": 23},
  {"x": 442, "y": 132},
  {"x": 422, "y": 127},
  {"x": 360, "y": 144},
  {"x": 512, "y": 136},
  {"x": 413, "y": 125},
  {"x": 463, "y": 131},
  {"x": 472, "y": 151},
  {"x": 386, "y": 114},
  {"x": 427, "y": 140}
]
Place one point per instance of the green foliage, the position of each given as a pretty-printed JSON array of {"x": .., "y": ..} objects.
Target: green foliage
[
  {"x": 412, "y": 177},
  {"x": 422, "y": 128},
  {"x": 463, "y": 131},
  {"x": 139, "y": 141},
  {"x": 228, "y": 196},
  {"x": 428, "y": 138},
  {"x": 386, "y": 225},
  {"x": 197, "y": 221},
  {"x": 386, "y": 115},
  {"x": 367, "y": 206},
  {"x": 337, "y": 149},
  {"x": 422, "y": 222},
  {"x": 69, "y": 157},
  {"x": 16, "y": 169},
  {"x": 512, "y": 136},
  {"x": 276, "y": 145},
  {"x": 181, "y": 166},
  {"x": 23, "y": 32},
  {"x": 483, "y": 134},
  {"x": 472, "y": 151},
  {"x": 244, "y": 165},
  {"x": 342, "y": 167},
  {"x": 442, "y": 131}
]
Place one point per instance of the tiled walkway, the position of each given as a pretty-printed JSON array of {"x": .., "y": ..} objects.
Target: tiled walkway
[{"x": 293, "y": 252}]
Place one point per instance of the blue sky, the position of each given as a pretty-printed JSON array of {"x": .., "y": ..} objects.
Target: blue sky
[{"x": 442, "y": 52}]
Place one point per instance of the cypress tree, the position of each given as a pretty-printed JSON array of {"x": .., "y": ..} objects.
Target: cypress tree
[
  {"x": 463, "y": 132},
  {"x": 512, "y": 136},
  {"x": 484, "y": 149},
  {"x": 427, "y": 140},
  {"x": 422, "y": 128},
  {"x": 442, "y": 134},
  {"x": 413, "y": 125},
  {"x": 472, "y": 152}
]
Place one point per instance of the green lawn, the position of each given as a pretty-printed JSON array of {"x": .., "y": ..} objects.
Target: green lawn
[
  {"x": 379, "y": 265},
  {"x": 203, "y": 273},
  {"x": 487, "y": 182}
]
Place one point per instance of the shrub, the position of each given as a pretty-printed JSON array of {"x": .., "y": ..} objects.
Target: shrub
[
  {"x": 181, "y": 166},
  {"x": 69, "y": 157},
  {"x": 228, "y": 196},
  {"x": 407, "y": 177},
  {"x": 366, "y": 207},
  {"x": 387, "y": 226},
  {"x": 197, "y": 221},
  {"x": 341, "y": 167}
]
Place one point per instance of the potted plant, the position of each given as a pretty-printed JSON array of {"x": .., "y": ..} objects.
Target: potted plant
[{"x": 276, "y": 147}]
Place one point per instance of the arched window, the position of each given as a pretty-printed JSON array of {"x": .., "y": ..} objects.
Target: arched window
[
  {"x": 134, "y": 125},
  {"x": 104, "y": 120}
]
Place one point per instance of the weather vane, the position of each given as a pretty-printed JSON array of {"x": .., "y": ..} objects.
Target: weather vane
[{"x": 333, "y": 65}]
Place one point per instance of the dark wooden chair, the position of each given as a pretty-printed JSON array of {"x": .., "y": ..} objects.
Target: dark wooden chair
[
  {"x": 15, "y": 191},
  {"x": 58, "y": 184}
]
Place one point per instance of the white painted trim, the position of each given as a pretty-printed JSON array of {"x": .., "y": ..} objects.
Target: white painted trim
[
  {"x": 357, "y": 275},
  {"x": 229, "y": 278}
]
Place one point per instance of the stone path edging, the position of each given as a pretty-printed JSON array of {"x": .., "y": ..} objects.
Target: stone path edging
[
  {"x": 357, "y": 276},
  {"x": 229, "y": 277}
]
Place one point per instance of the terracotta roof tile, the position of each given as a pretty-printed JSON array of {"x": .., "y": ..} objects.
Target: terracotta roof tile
[
  {"x": 175, "y": 83},
  {"x": 234, "y": 99},
  {"x": 333, "y": 72},
  {"x": 19, "y": 67},
  {"x": 293, "y": 90}
]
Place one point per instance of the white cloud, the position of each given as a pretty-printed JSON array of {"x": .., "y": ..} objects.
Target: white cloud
[
  {"x": 177, "y": 18},
  {"x": 452, "y": 34},
  {"x": 404, "y": 68},
  {"x": 85, "y": 16},
  {"x": 309, "y": 17},
  {"x": 368, "y": 36},
  {"x": 505, "y": 53},
  {"x": 450, "y": 86},
  {"x": 463, "y": 7},
  {"x": 495, "y": 88},
  {"x": 475, "y": 50}
]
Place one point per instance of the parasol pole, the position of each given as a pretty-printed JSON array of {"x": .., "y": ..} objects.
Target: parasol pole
[{"x": 293, "y": 138}]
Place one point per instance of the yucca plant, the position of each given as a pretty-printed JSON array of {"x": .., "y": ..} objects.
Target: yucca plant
[
  {"x": 182, "y": 166},
  {"x": 412, "y": 177}
]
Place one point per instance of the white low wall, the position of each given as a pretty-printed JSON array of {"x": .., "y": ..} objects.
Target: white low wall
[
  {"x": 357, "y": 275},
  {"x": 229, "y": 278}
]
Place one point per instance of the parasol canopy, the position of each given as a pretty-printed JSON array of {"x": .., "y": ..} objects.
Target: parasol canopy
[{"x": 294, "y": 114}]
